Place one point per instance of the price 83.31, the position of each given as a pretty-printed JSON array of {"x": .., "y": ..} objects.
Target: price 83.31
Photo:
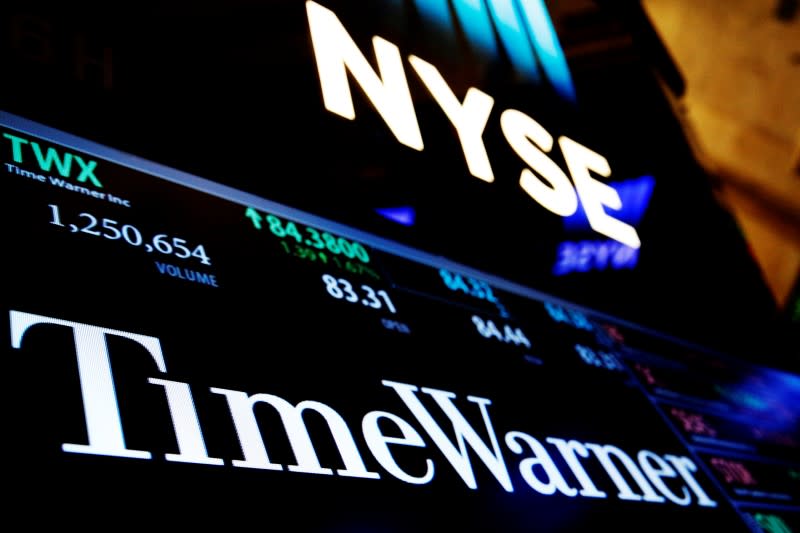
[
  {"x": 131, "y": 235},
  {"x": 341, "y": 289}
]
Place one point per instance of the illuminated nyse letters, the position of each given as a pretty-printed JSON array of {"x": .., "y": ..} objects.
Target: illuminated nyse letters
[
  {"x": 468, "y": 118},
  {"x": 530, "y": 141},
  {"x": 539, "y": 471},
  {"x": 596, "y": 194},
  {"x": 337, "y": 54}
]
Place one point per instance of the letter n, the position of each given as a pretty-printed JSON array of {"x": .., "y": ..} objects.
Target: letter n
[{"x": 337, "y": 54}]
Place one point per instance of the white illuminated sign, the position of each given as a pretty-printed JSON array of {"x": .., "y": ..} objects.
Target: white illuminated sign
[
  {"x": 337, "y": 54},
  {"x": 636, "y": 480}
]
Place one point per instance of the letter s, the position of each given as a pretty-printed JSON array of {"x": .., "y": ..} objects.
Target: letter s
[{"x": 530, "y": 141}]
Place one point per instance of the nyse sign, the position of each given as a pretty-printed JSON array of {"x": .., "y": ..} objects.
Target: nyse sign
[
  {"x": 337, "y": 55},
  {"x": 523, "y": 27}
]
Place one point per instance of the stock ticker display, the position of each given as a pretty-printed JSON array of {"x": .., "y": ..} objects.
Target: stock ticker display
[
  {"x": 525, "y": 138},
  {"x": 414, "y": 274},
  {"x": 181, "y": 352}
]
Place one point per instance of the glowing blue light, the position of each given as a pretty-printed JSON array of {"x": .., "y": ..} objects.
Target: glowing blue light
[
  {"x": 635, "y": 195},
  {"x": 514, "y": 38},
  {"x": 523, "y": 26},
  {"x": 436, "y": 11},
  {"x": 474, "y": 19},
  {"x": 543, "y": 35},
  {"x": 594, "y": 255},
  {"x": 402, "y": 215}
]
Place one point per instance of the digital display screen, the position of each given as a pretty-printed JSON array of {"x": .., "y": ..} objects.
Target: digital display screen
[
  {"x": 531, "y": 139},
  {"x": 182, "y": 353},
  {"x": 386, "y": 266}
]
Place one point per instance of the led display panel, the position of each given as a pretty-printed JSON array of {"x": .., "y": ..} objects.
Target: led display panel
[
  {"x": 386, "y": 266},
  {"x": 181, "y": 353}
]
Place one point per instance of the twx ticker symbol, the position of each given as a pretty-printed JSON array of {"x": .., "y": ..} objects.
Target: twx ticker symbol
[
  {"x": 523, "y": 27},
  {"x": 48, "y": 158}
]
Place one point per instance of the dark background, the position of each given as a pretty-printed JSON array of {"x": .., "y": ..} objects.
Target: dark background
[
  {"x": 229, "y": 91},
  {"x": 270, "y": 327}
]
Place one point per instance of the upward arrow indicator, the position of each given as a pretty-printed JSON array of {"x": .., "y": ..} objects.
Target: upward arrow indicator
[{"x": 253, "y": 215}]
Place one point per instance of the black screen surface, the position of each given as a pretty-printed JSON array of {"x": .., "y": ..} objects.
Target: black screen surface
[
  {"x": 233, "y": 92},
  {"x": 184, "y": 353},
  {"x": 248, "y": 342}
]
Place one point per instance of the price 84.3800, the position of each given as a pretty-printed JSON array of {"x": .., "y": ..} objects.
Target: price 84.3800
[{"x": 112, "y": 230}]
